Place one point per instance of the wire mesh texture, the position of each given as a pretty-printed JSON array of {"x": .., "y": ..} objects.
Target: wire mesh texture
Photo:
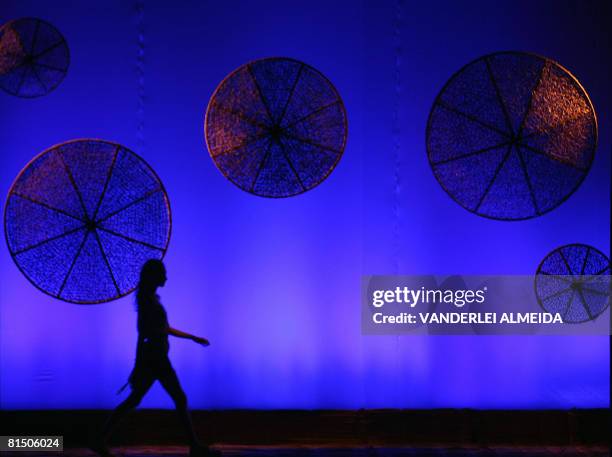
[
  {"x": 276, "y": 127},
  {"x": 511, "y": 136},
  {"x": 574, "y": 280},
  {"x": 34, "y": 57},
  {"x": 82, "y": 218}
]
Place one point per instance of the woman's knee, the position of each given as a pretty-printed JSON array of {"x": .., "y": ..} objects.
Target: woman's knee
[{"x": 132, "y": 401}]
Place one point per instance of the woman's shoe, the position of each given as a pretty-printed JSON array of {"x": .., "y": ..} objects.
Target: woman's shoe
[
  {"x": 203, "y": 451},
  {"x": 100, "y": 448}
]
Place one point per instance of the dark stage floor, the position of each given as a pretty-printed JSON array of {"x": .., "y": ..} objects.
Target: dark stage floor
[{"x": 332, "y": 451}]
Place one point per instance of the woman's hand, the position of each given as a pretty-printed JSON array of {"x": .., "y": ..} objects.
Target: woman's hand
[{"x": 203, "y": 341}]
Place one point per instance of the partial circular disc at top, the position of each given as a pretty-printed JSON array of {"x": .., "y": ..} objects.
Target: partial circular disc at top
[
  {"x": 574, "y": 280},
  {"x": 34, "y": 57},
  {"x": 511, "y": 136},
  {"x": 83, "y": 217},
  {"x": 276, "y": 127}
]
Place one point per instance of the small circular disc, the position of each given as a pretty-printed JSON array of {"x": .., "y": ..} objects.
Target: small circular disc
[
  {"x": 574, "y": 280},
  {"x": 34, "y": 57},
  {"x": 83, "y": 217},
  {"x": 511, "y": 136},
  {"x": 276, "y": 127}
]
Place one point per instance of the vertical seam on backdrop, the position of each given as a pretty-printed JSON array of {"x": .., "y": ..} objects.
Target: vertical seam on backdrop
[
  {"x": 397, "y": 43},
  {"x": 140, "y": 69}
]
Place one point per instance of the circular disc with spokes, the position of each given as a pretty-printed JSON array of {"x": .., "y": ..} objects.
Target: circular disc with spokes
[
  {"x": 34, "y": 57},
  {"x": 83, "y": 217},
  {"x": 511, "y": 136},
  {"x": 276, "y": 127},
  {"x": 574, "y": 280}
]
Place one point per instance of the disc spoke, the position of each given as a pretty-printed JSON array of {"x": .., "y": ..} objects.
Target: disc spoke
[
  {"x": 261, "y": 165},
  {"x": 549, "y": 130},
  {"x": 584, "y": 263},
  {"x": 497, "y": 170},
  {"x": 569, "y": 305},
  {"x": 471, "y": 154},
  {"x": 22, "y": 80},
  {"x": 132, "y": 203},
  {"x": 595, "y": 291},
  {"x": 530, "y": 102},
  {"x": 35, "y": 38},
  {"x": 108, "y": 178},
  {"x": 499, "y": 97},
  {"x": 312, "y": 143},
  {"x": 76, "y": 256},
  {"x": 50, "y": 67},
  {"x": 291, "y": 165},
  {"x": 49, "y": 207},
  {"x": 557, "y": 276},
  {"x": 40, "y": 81},
  {"x": 551, "y": 157},
  {"x": 263, "y": 100},
  {"x": 49, "y": 49},
  {"x": 594, "y": 279},
  {"x": 307, "y": 116},
  {"x": 297, "y": 77},
  {"x": 110, "y": 270},
  {"x": 14, "y": 69},
  {"x": 584, "y": 304},
  {"x": 47, "y": 240},
  {"x": 242, "y": 145},
  {"x": 556, "y": 294},
  {"x": 74, "y": 186},
  {"x": 458, "y": 112},
  {"x": 129, "y": 238},
  {"x": 528, "y": 180},
  {"x": 565, "y": 262},
  {"x": 240, "y": 115}
]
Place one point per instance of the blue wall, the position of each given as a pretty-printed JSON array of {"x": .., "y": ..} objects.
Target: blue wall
[{"x": 274, "y": 284}]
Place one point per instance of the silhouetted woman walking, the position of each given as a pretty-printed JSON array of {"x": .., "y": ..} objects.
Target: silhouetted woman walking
[{"x": 152, "y": 362}]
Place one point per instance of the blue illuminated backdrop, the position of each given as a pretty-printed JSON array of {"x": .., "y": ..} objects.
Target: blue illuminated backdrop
[{"x": 274, "y": 284}]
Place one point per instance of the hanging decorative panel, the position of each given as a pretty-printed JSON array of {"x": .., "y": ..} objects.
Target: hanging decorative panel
[
  {"x": 276, "y": 127},
  {"x": 83, "y": 217},
  {"x": 574, "y": 280},
  {"x": 511, "y": 136},
  {"x": 34, "y": 57}
]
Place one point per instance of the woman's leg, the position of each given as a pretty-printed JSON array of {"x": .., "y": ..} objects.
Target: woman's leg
[
  {"x": 171, "y": 384},
  {"x": 139, "y": 388}
]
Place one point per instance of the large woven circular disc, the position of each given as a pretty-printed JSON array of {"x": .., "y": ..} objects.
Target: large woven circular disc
[
  {"x": 83, "y": 217},
  {"x": 276, "y": 127},
  {"x": 511, "y": 136},
  {"x": 574, "y": 280},
  {"x": 34, "y": 57}
]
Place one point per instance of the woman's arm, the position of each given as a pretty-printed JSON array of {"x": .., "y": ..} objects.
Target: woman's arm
[{"x": 188, "y": 336}]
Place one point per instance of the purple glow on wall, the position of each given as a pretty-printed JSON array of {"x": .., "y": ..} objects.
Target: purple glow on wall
[{"x": 274, "y": 284}]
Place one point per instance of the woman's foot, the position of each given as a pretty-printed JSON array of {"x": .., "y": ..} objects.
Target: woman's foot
[
  {"x": 100, "y": 448},
  {"x": 199, "y": 450}
]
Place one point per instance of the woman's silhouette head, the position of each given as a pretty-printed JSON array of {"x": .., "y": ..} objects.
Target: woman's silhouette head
[{"x": 152, "y": 276}]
